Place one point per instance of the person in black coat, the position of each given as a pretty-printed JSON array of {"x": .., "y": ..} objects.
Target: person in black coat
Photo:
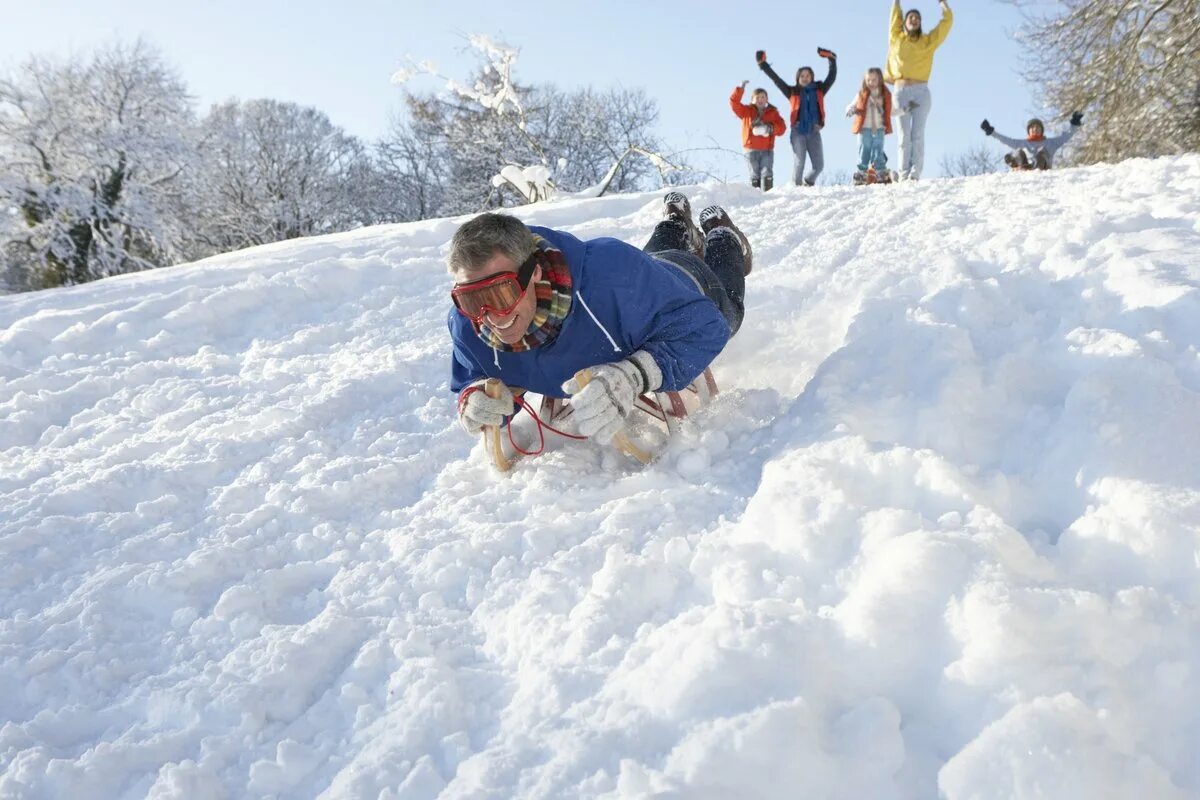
[{"x": 807, "y": 97}]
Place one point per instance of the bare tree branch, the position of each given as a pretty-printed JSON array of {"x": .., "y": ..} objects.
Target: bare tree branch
[{"x": 1133, "y": 65}]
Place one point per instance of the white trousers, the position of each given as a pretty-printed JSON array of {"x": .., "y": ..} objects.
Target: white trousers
[{"x": 913, "y": 103}]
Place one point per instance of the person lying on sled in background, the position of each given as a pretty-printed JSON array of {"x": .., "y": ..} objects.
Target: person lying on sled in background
[
  {"x": 761, "y": 123},
  {"x": 532, "y": 306},
  {"x": 1036, "y": 151}
]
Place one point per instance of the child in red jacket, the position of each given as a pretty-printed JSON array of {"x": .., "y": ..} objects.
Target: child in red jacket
[
  {"x": 872, "y": 115},
  {"x": 761, "y": 123}
]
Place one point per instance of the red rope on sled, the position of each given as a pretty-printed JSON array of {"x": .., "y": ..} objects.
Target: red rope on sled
[{"x": 522, "y": 403}]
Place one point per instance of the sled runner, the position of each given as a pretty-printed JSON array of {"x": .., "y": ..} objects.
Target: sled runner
[
  {"x": 871, "y": 176},
  {"x": 666, "y": 408}
]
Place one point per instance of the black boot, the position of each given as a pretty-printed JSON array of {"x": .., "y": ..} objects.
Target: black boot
[
  {"x": 767, "y": 183},
  {"x": 1043, "y": 161},
  {"x": 754, "y": 182},
  {"x": 676, "y": 207},
  {"x": 716, "y": 217}
]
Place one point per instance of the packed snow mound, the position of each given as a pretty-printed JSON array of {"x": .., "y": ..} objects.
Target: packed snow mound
[{"x": 937, "y": 536}]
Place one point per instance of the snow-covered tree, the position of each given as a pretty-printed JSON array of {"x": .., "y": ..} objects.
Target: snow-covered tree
[
  {"x": 411, "y": 168},
  {"x": 472, "y": 132},
  {"x": 1133, "y": 65},
  {"x": 272, "y": 171},
  {"x": 591, "y": 130},
  {"x": 533, "y": 184},
  {"x": 91, "y": 151}
]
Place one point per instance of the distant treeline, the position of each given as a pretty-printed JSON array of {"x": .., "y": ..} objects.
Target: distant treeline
[{"x": 106, "y": 168}]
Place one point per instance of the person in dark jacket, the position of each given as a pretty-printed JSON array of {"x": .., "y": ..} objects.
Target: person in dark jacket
[
  {"x": 807, "y": 96},
  {"x": 533, "y": 306}
]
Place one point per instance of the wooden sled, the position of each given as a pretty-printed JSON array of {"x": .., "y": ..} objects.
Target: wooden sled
[
  {"x": 667, "y": 408},
  {"x": 871, "y": 177}
]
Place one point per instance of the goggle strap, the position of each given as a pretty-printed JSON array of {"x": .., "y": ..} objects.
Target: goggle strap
[{"x": 525, "y": 273}]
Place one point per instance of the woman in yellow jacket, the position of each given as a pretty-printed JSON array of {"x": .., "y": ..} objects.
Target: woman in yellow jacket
[{"x": 909, "y": 63}]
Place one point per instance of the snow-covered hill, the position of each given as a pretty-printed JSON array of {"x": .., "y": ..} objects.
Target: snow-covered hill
[{"x": 939, "y": 534}]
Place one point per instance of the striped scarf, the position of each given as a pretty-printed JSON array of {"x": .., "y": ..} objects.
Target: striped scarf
[{"x": 553, "y": 295}]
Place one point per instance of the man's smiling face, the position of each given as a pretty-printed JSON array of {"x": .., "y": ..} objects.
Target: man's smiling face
[{"x": 510, "y": 328}]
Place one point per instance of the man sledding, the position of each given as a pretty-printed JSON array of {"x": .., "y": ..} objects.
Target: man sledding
[{"x": 534, "y": 306}]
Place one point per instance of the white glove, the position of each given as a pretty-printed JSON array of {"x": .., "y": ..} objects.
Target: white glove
[
  {"x": 476, "y": 409},
  {"x": 851, "y": 110},
  {"x": 761, "y": 130},
  {"x": 602, "y": 406}
]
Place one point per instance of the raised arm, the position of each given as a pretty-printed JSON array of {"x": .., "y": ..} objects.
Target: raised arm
[
  {"x": 1015, "y": 144},
  {"x": 765, "y": 67},
  {"x": 942, "y": 29},
  {"x": 896, "y": 28},
  {"x": 735, "y": 102},
  {"x": 1055, "y": 143},
  {"x": 832, "y": 74}
]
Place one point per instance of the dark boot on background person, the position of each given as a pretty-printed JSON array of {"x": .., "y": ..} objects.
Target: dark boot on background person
[
  {"x": 754, "y": 182},
  {"x": 677, "y": 207},
  {"x": 1017, "y": 160},
  {"x": 767, "y": 183},
  {"x": 715, "y": 217}
]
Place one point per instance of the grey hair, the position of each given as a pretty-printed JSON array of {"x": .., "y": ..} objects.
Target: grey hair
[{"x": 478, "y": 240}]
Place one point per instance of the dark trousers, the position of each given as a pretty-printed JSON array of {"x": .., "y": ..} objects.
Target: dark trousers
[{"x": 720, "y": 276}]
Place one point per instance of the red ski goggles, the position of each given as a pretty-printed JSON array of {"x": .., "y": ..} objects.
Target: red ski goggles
[{"x": 497, "y": 294}]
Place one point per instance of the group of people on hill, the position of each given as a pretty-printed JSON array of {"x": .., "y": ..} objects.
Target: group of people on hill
[
  {"x": 908, "y": 69},
  {"x": 533, "y": 306}
]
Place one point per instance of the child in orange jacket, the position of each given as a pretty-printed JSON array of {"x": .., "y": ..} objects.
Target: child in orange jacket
[
  {"x": 872, "y": 115},
  {"x": 761, "y": 123}
]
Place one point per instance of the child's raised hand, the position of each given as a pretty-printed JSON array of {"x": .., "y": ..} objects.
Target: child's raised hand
[
  {"x": 1077, "y": 118},
  {"x": 987, "y": 127},
  {"x": 760, "y": 56}
]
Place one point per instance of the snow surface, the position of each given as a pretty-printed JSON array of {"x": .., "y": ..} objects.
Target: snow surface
[{"x": 938, "y": 535}]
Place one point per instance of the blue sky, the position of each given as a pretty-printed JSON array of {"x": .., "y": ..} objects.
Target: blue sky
[{"x": 339, "y": 56}]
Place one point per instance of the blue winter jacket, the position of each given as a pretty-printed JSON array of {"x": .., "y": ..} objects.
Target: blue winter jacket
[{"x": 622, "y": 301}]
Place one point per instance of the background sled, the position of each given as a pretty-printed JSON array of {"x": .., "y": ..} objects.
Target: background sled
[{"x": 871, "y": 177}]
